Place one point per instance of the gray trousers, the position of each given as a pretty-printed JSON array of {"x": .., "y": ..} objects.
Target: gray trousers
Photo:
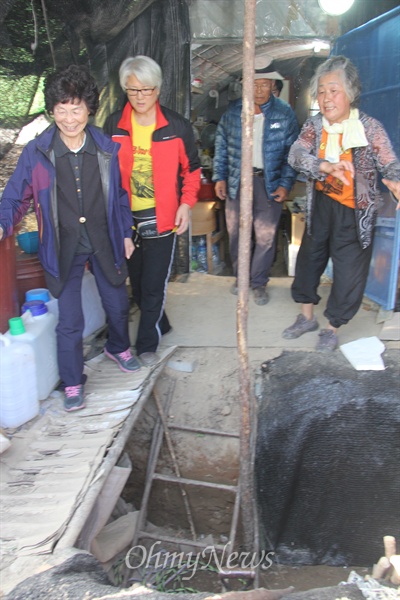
[{"x": 266, "y": 216}]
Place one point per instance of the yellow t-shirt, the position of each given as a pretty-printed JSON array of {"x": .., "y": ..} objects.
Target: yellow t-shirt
[
  {"x": 142, "y": 185},
  {"x": 333, "y": 187}
]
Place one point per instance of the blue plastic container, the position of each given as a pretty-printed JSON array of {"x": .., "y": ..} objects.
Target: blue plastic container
[
  {"x": 38, "y": 294},
  {"x": 29, "y": 241},
  {"x": 44, "y": 295}
]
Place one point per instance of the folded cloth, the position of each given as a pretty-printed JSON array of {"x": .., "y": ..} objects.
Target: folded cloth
[{"x": 353, "y": 136}]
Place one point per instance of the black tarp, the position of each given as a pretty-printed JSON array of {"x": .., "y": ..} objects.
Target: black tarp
[{"x": 327, "y": 459}]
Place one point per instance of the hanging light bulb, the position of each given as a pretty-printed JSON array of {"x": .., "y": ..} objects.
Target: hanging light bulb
[{"x": 335, "y": 7}]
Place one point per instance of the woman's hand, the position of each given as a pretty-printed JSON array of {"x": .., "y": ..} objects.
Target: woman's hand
[
  {"x": 182, "y": 218},
  {"x": 394, "y": 187},
  {"x": 338, "y": 170},
  {"x": 129, "y": 247}
]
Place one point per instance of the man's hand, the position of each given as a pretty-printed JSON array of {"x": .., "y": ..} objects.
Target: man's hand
[
  {"x": 220, "y": 189},
  {"x": 394, "y": 187},
  {"x": 280, "y": 194},
  {"x": 129, "y": 247},
  {"x": 338, "y": 170},
  {"x": 182, "y": 218}
]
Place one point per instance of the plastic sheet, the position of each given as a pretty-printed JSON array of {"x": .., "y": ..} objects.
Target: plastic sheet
[
  {"x": 222, "y": 21},
  {"x": 161, "y": 32}
]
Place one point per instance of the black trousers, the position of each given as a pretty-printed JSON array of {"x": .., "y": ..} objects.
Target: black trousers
[
  {"x": 334, "y": 235},
  {"x": 71, "y": 323},
  {"x": 149, "y": 269}
]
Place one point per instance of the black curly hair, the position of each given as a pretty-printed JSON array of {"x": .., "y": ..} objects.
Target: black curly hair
[{"x": 71, "y": 83}]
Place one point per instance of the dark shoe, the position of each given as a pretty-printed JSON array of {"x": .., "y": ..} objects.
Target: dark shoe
[
  {"x": 126, "y": 362},
  {"x": 300, "y": 326},
  {"x": 261, "y": 295},
  {"x": 149, "y": 359},
  {"x": 61, "y": 385},
  {"x": 328, "y": 341},
  {"x": 73, "y": 398},
  {"x": 234, "y": 289}
]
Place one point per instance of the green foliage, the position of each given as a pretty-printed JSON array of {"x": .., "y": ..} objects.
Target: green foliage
[
  {"x": 23, "y": 69},
  {"x": 18, "y": 59},
  {"x": 38, "y": 101},
  {"x": 118, "y": 569},
  {"x": 24, "y": 99}
]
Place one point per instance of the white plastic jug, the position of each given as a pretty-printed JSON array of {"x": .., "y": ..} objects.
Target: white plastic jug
[
  {"x": 38, "y": 330},
  {"x": 19, "y": 400},
  {"x": 93, "y": 311}
]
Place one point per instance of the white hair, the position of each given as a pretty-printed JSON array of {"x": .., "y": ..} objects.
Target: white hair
[
  {"x": 143, "y": 68},
  {"x": 349, "y": 75}
]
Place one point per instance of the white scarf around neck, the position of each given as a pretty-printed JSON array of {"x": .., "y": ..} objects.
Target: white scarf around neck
[{"x": 353, "y": 136}]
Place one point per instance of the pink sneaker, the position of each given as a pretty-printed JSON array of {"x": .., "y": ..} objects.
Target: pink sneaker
[
  {"x": 73, "y": 399},
  {"x": 124, "y": 360}
]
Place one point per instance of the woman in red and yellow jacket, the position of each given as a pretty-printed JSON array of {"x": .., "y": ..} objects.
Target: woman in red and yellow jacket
[{"x": 160, "y": 170}]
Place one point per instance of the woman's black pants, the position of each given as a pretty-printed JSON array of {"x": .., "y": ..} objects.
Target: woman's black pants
[
  {"x": 334, "y": 235},
  {"x": 149, "y": 269}
]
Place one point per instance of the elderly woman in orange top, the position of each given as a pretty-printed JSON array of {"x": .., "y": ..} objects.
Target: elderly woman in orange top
[
  {"x": 340, "y": 151},
  {"x": 160, "y": 170}
]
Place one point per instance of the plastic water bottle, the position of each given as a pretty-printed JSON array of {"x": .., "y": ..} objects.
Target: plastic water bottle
[
  {"x": 36, "y": 327},
  {"x": 19, "y": 400},
  {"x": 193, "y": 263},
  {"x": 202, "y": 255},
  {"x": 217, "y": 266}
]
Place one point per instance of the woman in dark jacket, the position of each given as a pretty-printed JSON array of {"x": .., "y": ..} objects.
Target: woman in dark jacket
[{"x": 71, "y": 173}]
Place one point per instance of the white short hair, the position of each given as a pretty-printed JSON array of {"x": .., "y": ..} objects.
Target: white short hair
[
  {"x": 143, "y": 68},
  {"x": 348, "y": 73}
]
